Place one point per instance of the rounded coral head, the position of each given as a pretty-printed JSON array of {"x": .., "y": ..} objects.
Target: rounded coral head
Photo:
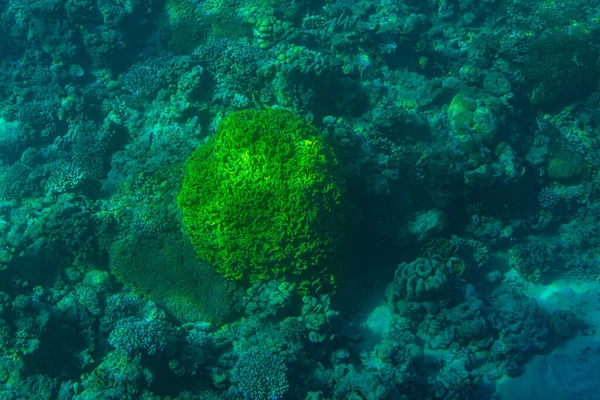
[{"x": 262, "y": 198}]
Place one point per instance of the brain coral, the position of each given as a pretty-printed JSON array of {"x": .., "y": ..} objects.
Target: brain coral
[
  {"x": 421, "y": 279},
  {"x": 263, "y": 197}
]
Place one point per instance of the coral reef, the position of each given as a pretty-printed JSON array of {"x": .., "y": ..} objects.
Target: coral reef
[{"x": 261, "y": 199}]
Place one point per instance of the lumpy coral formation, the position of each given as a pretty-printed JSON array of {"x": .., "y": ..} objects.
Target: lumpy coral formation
[
  {"x": 264, "y": 197},
  {"x": 476, "y": 119}
]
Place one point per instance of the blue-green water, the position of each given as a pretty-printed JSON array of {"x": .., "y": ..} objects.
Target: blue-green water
[{"x": 296, "y": 199}]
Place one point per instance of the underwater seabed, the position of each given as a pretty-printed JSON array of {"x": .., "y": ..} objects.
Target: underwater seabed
[{"x": 572, "y": 369}]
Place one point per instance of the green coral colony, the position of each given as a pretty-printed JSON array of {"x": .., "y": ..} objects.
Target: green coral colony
[{"x": 264, "y": 197}]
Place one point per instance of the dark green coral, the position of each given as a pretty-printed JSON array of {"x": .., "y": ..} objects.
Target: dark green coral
[
  {"x": 566, "y": 164},
  {"x": 561, "y": 67}
]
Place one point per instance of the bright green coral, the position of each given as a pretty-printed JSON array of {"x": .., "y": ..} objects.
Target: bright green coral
[{"x": 263, "y": 196}]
